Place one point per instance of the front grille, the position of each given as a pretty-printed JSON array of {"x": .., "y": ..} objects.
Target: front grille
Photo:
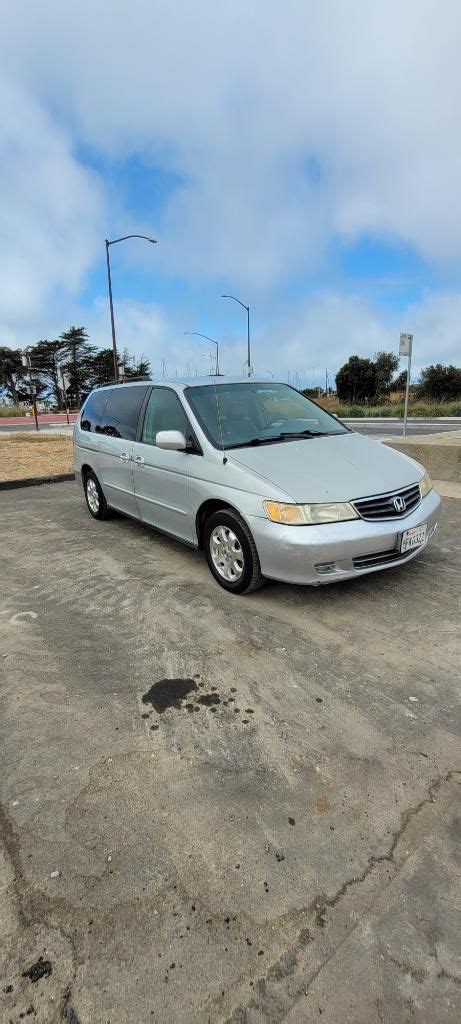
[
  {"x": 379, "y": 558},
  {"x": 381, "y": 506}
]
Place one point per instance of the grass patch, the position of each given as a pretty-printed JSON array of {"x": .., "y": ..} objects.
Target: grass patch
[
  {"x": 23, "y": 456},
  {"x": 418, "y": 408},
  {"x": 12, "y": 410}
]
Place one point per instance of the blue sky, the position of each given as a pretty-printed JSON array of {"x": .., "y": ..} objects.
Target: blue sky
[{"x": 309, "y": 165}]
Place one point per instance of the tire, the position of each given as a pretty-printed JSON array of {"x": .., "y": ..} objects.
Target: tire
[
  {"x": 240, "y": 571},
  {"x": 95, "y": 500}
]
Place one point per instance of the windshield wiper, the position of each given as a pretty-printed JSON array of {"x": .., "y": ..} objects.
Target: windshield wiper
[
  {"x": 252, "y": 441},
  {"x": 304, "y": 433},
  {"x": 284, "y": 436}
]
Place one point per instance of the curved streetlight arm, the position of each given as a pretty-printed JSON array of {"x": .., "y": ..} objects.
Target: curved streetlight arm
[
  {"x": 234, "y": 297},
  {"x": 197, "y": 334},
  {"x": 114, "y": 240}
]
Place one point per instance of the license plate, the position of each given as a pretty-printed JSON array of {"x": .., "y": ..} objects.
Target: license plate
[{"x": 413, "y": 538}]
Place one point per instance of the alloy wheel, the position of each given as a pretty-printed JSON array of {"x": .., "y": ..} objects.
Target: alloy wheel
[
  {"x": 92, "y": 495},
  {"x": 226, "y": 553}
]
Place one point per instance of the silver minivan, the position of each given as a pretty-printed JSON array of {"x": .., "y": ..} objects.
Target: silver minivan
[{"x": 259, "y": 476}]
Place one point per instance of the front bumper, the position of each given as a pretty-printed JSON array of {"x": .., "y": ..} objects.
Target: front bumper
[{"x": 327, "y": 553}]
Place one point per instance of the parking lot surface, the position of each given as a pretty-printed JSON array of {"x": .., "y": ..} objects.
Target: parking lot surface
[{"x": 220, "y": 809}]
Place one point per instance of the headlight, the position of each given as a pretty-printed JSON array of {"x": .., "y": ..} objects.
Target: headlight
[
  {"x": 309, "y": 515},
  {"x": 425, "y": 485}
]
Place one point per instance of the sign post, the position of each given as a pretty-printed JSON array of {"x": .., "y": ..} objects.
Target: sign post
[
  {"x": 31, "y": 389},
  {"x": 406, "y": 347},
  {"x": 63, "y": 384}
]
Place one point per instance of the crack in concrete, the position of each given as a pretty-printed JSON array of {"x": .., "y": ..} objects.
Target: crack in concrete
[
  {"x": 320, "y": 905},
  {"x": 418, "y": 974},
  {"x": 379, "y": 1011},
  {"x": 34, "y": 908},
  {"x": 68, "y": 1014},
  {"x": 450, "y": 977},
  {"x": 373, "y": 861}
]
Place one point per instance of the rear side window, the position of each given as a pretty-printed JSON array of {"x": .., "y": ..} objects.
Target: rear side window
[
  {"x": 164, "y": 412},
  {"x": 93, "y": 410},
  {"x": 121, "y": 414}
]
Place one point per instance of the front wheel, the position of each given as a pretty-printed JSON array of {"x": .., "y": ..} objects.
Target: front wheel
[{"x": 231, "y": 552}]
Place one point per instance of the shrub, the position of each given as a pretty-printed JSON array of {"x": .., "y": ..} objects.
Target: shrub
[
  {"x": 440, "y": 382},
  {"x": 415, "y": 408},
  {"x": 12, "y": 410}
]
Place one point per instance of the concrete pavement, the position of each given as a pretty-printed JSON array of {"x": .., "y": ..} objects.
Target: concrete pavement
[{"x": 269, "y": 835}]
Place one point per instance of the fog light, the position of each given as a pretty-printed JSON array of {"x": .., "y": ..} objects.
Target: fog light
[{"x": 323, "y": 568}]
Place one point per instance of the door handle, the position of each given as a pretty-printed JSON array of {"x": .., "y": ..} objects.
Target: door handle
[
  {"x": 124, "y": 457},
  {"x": 139, "y": 460}
]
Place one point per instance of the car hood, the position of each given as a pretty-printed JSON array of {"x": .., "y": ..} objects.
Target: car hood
[{"x": 340, "y": 467}]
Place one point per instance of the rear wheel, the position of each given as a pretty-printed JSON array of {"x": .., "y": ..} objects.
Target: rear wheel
[
  {"x": 96, "y": 502},
  {"x": 231, "y": 552}
]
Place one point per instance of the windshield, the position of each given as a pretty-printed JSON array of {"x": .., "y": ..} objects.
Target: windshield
[{"x": 237, "y": 415}]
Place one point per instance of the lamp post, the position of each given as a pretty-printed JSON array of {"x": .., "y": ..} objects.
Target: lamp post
[
  {"x": 111, "y": 304},
  {"x": 198, "y": 335},
  {"x": 248, "y": 327}
]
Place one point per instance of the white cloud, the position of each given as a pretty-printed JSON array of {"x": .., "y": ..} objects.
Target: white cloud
[
  {"x": 50, "y": 210},
  {"x": 331, "y": 327},
  {"x": 319, "y": 335}
]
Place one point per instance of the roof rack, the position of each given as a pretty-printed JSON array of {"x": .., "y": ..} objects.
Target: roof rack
[{"x": 123, "y": 380}]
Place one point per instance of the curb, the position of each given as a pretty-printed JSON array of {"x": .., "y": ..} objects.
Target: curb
[
  {"x": 413, "y": 420},
  {"x": 35, "y": 481}
]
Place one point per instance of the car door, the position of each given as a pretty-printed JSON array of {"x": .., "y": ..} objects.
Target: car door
[
  {"x": 116, "y": 435},
  {"x": 161, "y": 478}
]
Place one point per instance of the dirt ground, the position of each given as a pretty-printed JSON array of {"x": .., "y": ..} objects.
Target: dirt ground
[
  {"x": 23, "y": 456},
  {"x": 223, "y": 810}
]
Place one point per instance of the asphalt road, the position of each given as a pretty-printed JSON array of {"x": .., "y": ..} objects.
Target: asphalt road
[
  {"x": 415, "y": 427},
  {"x": 44, "y": 428},
  {"x": 376, "y": 428},
  {"x": 220, "y": 809}
]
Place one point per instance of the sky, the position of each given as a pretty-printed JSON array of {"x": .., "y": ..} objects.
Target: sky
[{"x": 304, "y": 156}]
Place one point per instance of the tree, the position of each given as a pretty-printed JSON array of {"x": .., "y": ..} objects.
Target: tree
[
  {"x": 141, "y": 368},
  {"x": 440, "y": 382},
  {"x": 356, "y": 380},
  {"x": 47, "y": 361},
  {"x": 101, "y": 368},
  {"x": 386, "y": 363},
  {"x": 400, "y": 382},
  {"x": 77, "y": 354},
  {"x": 11, "y": 369},
  {"x": 71, "y": 354}
]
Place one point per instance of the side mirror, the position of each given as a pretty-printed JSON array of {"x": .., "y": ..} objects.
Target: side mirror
[{"x": 171, "y": 440}]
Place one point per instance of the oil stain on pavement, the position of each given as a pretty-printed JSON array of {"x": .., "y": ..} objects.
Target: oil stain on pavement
[
  {"x": 169, "y": 693},
  {"x": 172, "y": 693}
]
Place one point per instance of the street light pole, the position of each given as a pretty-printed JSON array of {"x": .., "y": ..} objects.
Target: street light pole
[
  {"x": 109, "y": 281},
  {"x": 234, "y": 297},
  {"x": 198, "y": 335},
  {"x": 111, "y": 304}
]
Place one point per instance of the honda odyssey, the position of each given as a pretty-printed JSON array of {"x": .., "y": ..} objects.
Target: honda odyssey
[{"x": 259, "y": 476}]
